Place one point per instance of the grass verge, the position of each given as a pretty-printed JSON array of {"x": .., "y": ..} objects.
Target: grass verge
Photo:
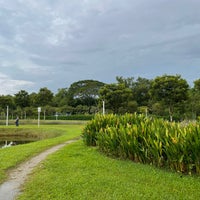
[
  {"x": 81, "y": 172},
  {"x": 10, "y": 157}
]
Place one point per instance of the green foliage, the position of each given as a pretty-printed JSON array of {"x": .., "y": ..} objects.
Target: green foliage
[
  {"x": 7, "y": 101},
  {"x": 22, "y": 99},
  {"x": 84, "y": 92},
  {"x": 61, "y": 98},
  {"x": 170, "y": 90},
  {"x": 197, "y": 85},
  {"x": 116, "y": 97},
  {"x": 95, "y": 125},
  {"x": 71, "y": 117},
  {"x": 194, "y": 100},
  {"x": 147, "y": 140},
  {"x": 141, "y": 91},
  {"x": 165, "y": 96},
  {"x": 44, "y": 97}
]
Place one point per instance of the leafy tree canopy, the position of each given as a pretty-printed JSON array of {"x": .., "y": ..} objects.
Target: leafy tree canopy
[
  {"x": 84, "y": 92},
  {"x": 44, "y": 97},
  {"x": 116, "y": 97},
  {"x": 22, "y": 99},
  {"x": 169, "y": 89},
  {"x": 7, "y": 101}
]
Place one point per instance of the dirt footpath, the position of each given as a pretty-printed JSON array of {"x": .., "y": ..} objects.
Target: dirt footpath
[{"x": 11, "y": 188}]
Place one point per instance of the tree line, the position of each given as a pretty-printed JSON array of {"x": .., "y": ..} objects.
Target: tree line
[{"x": 167, "y": 96}]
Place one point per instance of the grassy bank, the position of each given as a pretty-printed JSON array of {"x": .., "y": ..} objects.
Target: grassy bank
[
  {"x": 42, "y": 122},
  {"x": 12, "y": 156},
  {"x": 80, "y": 172}
]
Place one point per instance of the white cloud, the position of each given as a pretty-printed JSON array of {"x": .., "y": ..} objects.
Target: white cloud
[
  {"x": 19, "y": 38},
  {"x": 11, "y": 86},
  {"x": 62, "y": 30}
]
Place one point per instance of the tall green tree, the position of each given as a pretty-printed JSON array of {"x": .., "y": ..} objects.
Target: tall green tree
[
  {"x": 7, "y": 100},
  {"x": 61, "y": 98},
  {"x": 197, "y": 86},
  {"x": 33, "y": 99},
  {"x": 141, "y": 91},
  {"x": 169, "y": 90},
  {"x": 44, "y": 97},
  {"x": 22, "y": 99},
  {"x": 194, "y": 99},
  {"x": 128, "y": 82},
  {"x": 117, "y": 97},
  {"x": 85, "y": 92}
]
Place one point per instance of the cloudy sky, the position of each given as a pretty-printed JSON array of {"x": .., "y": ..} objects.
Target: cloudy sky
[{"x": 53, "y": 43}]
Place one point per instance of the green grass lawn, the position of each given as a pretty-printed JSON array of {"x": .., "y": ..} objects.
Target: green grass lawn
[
  {"x": 10, "y": 157},
  {"x": 80, "y": 172}
]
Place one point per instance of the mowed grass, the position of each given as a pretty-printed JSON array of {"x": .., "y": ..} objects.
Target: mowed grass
[
  {"x": 12, "y": 156},
  {"x": 80, "y": 172}
]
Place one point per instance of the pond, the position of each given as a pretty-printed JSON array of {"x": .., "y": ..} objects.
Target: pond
[{"x": 12, "y": 141}]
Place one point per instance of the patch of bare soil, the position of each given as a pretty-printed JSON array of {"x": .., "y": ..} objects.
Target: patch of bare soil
[{"x": 11, "y": 187}]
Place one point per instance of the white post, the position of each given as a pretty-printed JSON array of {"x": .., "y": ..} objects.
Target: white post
[
  {"x": 38, "y": 119},
  {"x": 103, "y": 107},
  {"x": 44, "y": 115},
  {"x": 7, "y": 116},
  {"x": 39, "y": 110}
]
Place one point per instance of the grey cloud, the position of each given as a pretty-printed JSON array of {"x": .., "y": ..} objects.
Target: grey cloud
[{"x": 54, "y": 43}]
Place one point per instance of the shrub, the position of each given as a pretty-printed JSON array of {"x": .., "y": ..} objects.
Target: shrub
[{"x": 147, "y": 140}]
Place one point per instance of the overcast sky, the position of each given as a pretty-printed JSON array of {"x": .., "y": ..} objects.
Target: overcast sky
[{"x": 53, "y": 43}]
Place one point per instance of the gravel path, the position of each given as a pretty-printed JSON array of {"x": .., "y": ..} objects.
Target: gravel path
[{"x": 11, "y": 187}]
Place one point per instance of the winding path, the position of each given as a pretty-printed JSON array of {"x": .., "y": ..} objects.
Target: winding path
[{"x": 11, "y": 187}]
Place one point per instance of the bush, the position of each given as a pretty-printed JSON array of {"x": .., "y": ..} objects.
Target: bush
[
  {"x": 147, "y": 140},
  {"x": 71, "y": 117}
]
